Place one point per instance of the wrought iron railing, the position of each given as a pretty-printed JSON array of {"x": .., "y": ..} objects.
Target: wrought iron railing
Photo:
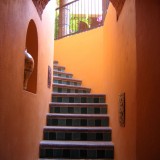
[{"x": 78, "y": 16}]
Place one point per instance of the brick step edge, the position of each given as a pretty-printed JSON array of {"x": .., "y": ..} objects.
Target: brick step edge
[
  {"x": 76, "y": 144},
  {"x": 78, "y": 104},
  {"x": 77, "y": 129}
]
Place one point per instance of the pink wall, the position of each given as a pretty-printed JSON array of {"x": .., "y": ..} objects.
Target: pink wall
[
  {"x": 148, "y": 79},
  {"x": 22, "y": 114},
  {"x": 120, "y": 60}
]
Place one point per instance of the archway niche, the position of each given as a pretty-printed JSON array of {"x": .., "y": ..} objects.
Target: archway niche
[{"x": 32, "y": 49}]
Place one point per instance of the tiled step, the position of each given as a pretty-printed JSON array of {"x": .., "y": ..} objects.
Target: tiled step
[
  {"x": 79, "y": 108},
  {"x": 59, "y": 68},
  {"x": 62, "y": 74},
  {"x": 72, "y": 159},
  {"x": 68, "y": 81},
  {"x": 63, "y": 88},
  {"x": 76, "y": 149},
  {"x": 78, "y": 98},
  {"x": 77, "y": 133},
  {"x": 55, "y": 62},
  {"x": 58, "y": 119}
]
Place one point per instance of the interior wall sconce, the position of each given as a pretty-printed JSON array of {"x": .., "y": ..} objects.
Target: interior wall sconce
[{"x": 122, "y": 109}]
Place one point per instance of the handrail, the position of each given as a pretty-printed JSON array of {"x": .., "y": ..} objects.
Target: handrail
[{"x": 79, "y": 16}]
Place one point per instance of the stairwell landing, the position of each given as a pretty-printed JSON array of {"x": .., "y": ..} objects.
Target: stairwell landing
[{"x": 77, "y": 124}]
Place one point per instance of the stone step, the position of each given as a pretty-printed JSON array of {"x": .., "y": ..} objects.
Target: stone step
[
  {"x": 77, "y": 133},
  {"x": 78, "y": 98},
  {"x": 72, "y": 159},
  {"x": 68, "y": 81},
  {"x": 76, "y": 149},
  {"x": 58, "y": 119},
  {"x": 62, "y": 74},
  {"x": 58, "y": 68},
  {"x": 78, "y": 108},
  {"x": 55, "y": 62},
  {"x": 63, "y": 88}
]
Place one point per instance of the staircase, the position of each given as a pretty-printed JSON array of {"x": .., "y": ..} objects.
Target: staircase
[{"x": 77, "y": 122}]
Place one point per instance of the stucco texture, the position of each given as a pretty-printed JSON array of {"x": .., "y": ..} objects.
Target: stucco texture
[{"x": 22, "y": 113}]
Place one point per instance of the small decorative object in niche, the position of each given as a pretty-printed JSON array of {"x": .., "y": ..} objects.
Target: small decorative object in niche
[
  {"x": 122, "y": 109},
  {"x": 28, "y": 68},
  {"x": 49, "y": 76},
  {"x": 40, "y": 5}
]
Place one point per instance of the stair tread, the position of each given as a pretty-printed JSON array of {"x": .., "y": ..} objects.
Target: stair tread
[
  {"x": 62, "y": 72},
  {"x": 69, "y": 86},
  {"x": 79, "y": 144},
  {"x": 66, "y": 79},
  {"x": 77, "y": 115},
  {"x": 77, "y": 104},
  {"x": 58, "y": 66},
  {"x": 73, "y": 159},
  {"x": 87, "y": 129},
  {"x": 77, "y": 94}
]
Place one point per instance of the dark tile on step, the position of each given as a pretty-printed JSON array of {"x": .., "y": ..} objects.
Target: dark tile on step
[
  {"x": 70, "y": 110},
  {"x": 54, "y": 122},
  {"x": 83, "y": 136},
  {"x": 59, "y": 99},
  {"x": 107, "y": 136},
  {"x": 99, "y": 136},
  {"x": 77, "y": 100},
  {"x": 64, "y": 110},
  {"x": 97, "y": 110},
  {"x": 61, "y": 122},
  {"x": 49, "y": 153},
  {"x": 60, "y": 90},
  {"x": 104, "y": 122},
  {"x": 64, "y": 90},
  {"x": 101, "y": 154},
  {"x": 54, "y": 99},
  {"x": 90, "y": 110},
  {"x": 76, "y": 122},
  {"x": 83, "y": 122},
  {"x": 75, "y": 136},
  {"x": 102, "y": 100},
  {"x": 83, "y": 153},
  {"x": 68, "y": 83},
  {"x": 71, "y": 99},
  {"x": 103, "y": 110},
  {"x": 91, "y": 136},
  {"x": 57, "y": 153},
  {"x": 75, "y": 154},
  {"x": 59, "y": 81},
  {"x": 92, "y": 154},
  {"x": 55, "y": 89},
  {"x": 52, "y": 136},
  {"x": 84, "y": 110},
  {"x": 77, "y": 110},
  {"x": 68, "y": 136},
  {"x": 76, "y": 90},
  {"x": 57, "y": 109},
  {"x": 97, "y": 122},
  {"x": 109, "y": 153},
  {"x": 89, "y": 100},
  {"x": 66, "y": 153},
  {"x": 42, "y": 153},
  {"x": 46, "y": 136},
  {"x": 91, "y": 122},
  {"x": 83, "y": 100},
  {"x": 68, "y": 122},
  {"x": 65, "y": 99},
  {"x": 60, "y": 135},
  {"x": 96, "y": 100},
  {"x": 68, "y": 91}
]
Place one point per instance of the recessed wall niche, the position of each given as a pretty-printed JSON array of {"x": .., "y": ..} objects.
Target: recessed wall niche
[{"x": 32, "y": 49}]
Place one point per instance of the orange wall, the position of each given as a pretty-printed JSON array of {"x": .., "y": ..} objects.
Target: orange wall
[
  {"x": 22, "y": 114},
  {"x": 148, "y": 79},
  {"x": 83, "y": 55},
  {"x": 120, "y": 60}
]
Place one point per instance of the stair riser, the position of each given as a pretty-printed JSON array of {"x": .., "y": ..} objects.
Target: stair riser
[
  {"x": 78, "y": 110},
  {"x": 68, "y": 90},
  {"x": 76, "y": 153},
  {"x": 59, "y": 69},
  {"x": 73, "y": 99},
  {"x": 67, "y": 82},
  {"x": 77, "y": 122},
  {"x": 78, "y": 136}
]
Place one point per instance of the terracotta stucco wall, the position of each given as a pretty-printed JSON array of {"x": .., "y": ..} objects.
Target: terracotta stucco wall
[
  {"x": 83, "y": 55},
  {"x": 148, "y": 79},
  {"x": 120, "y": 69},
  {"x": 22, "y": 114}
]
